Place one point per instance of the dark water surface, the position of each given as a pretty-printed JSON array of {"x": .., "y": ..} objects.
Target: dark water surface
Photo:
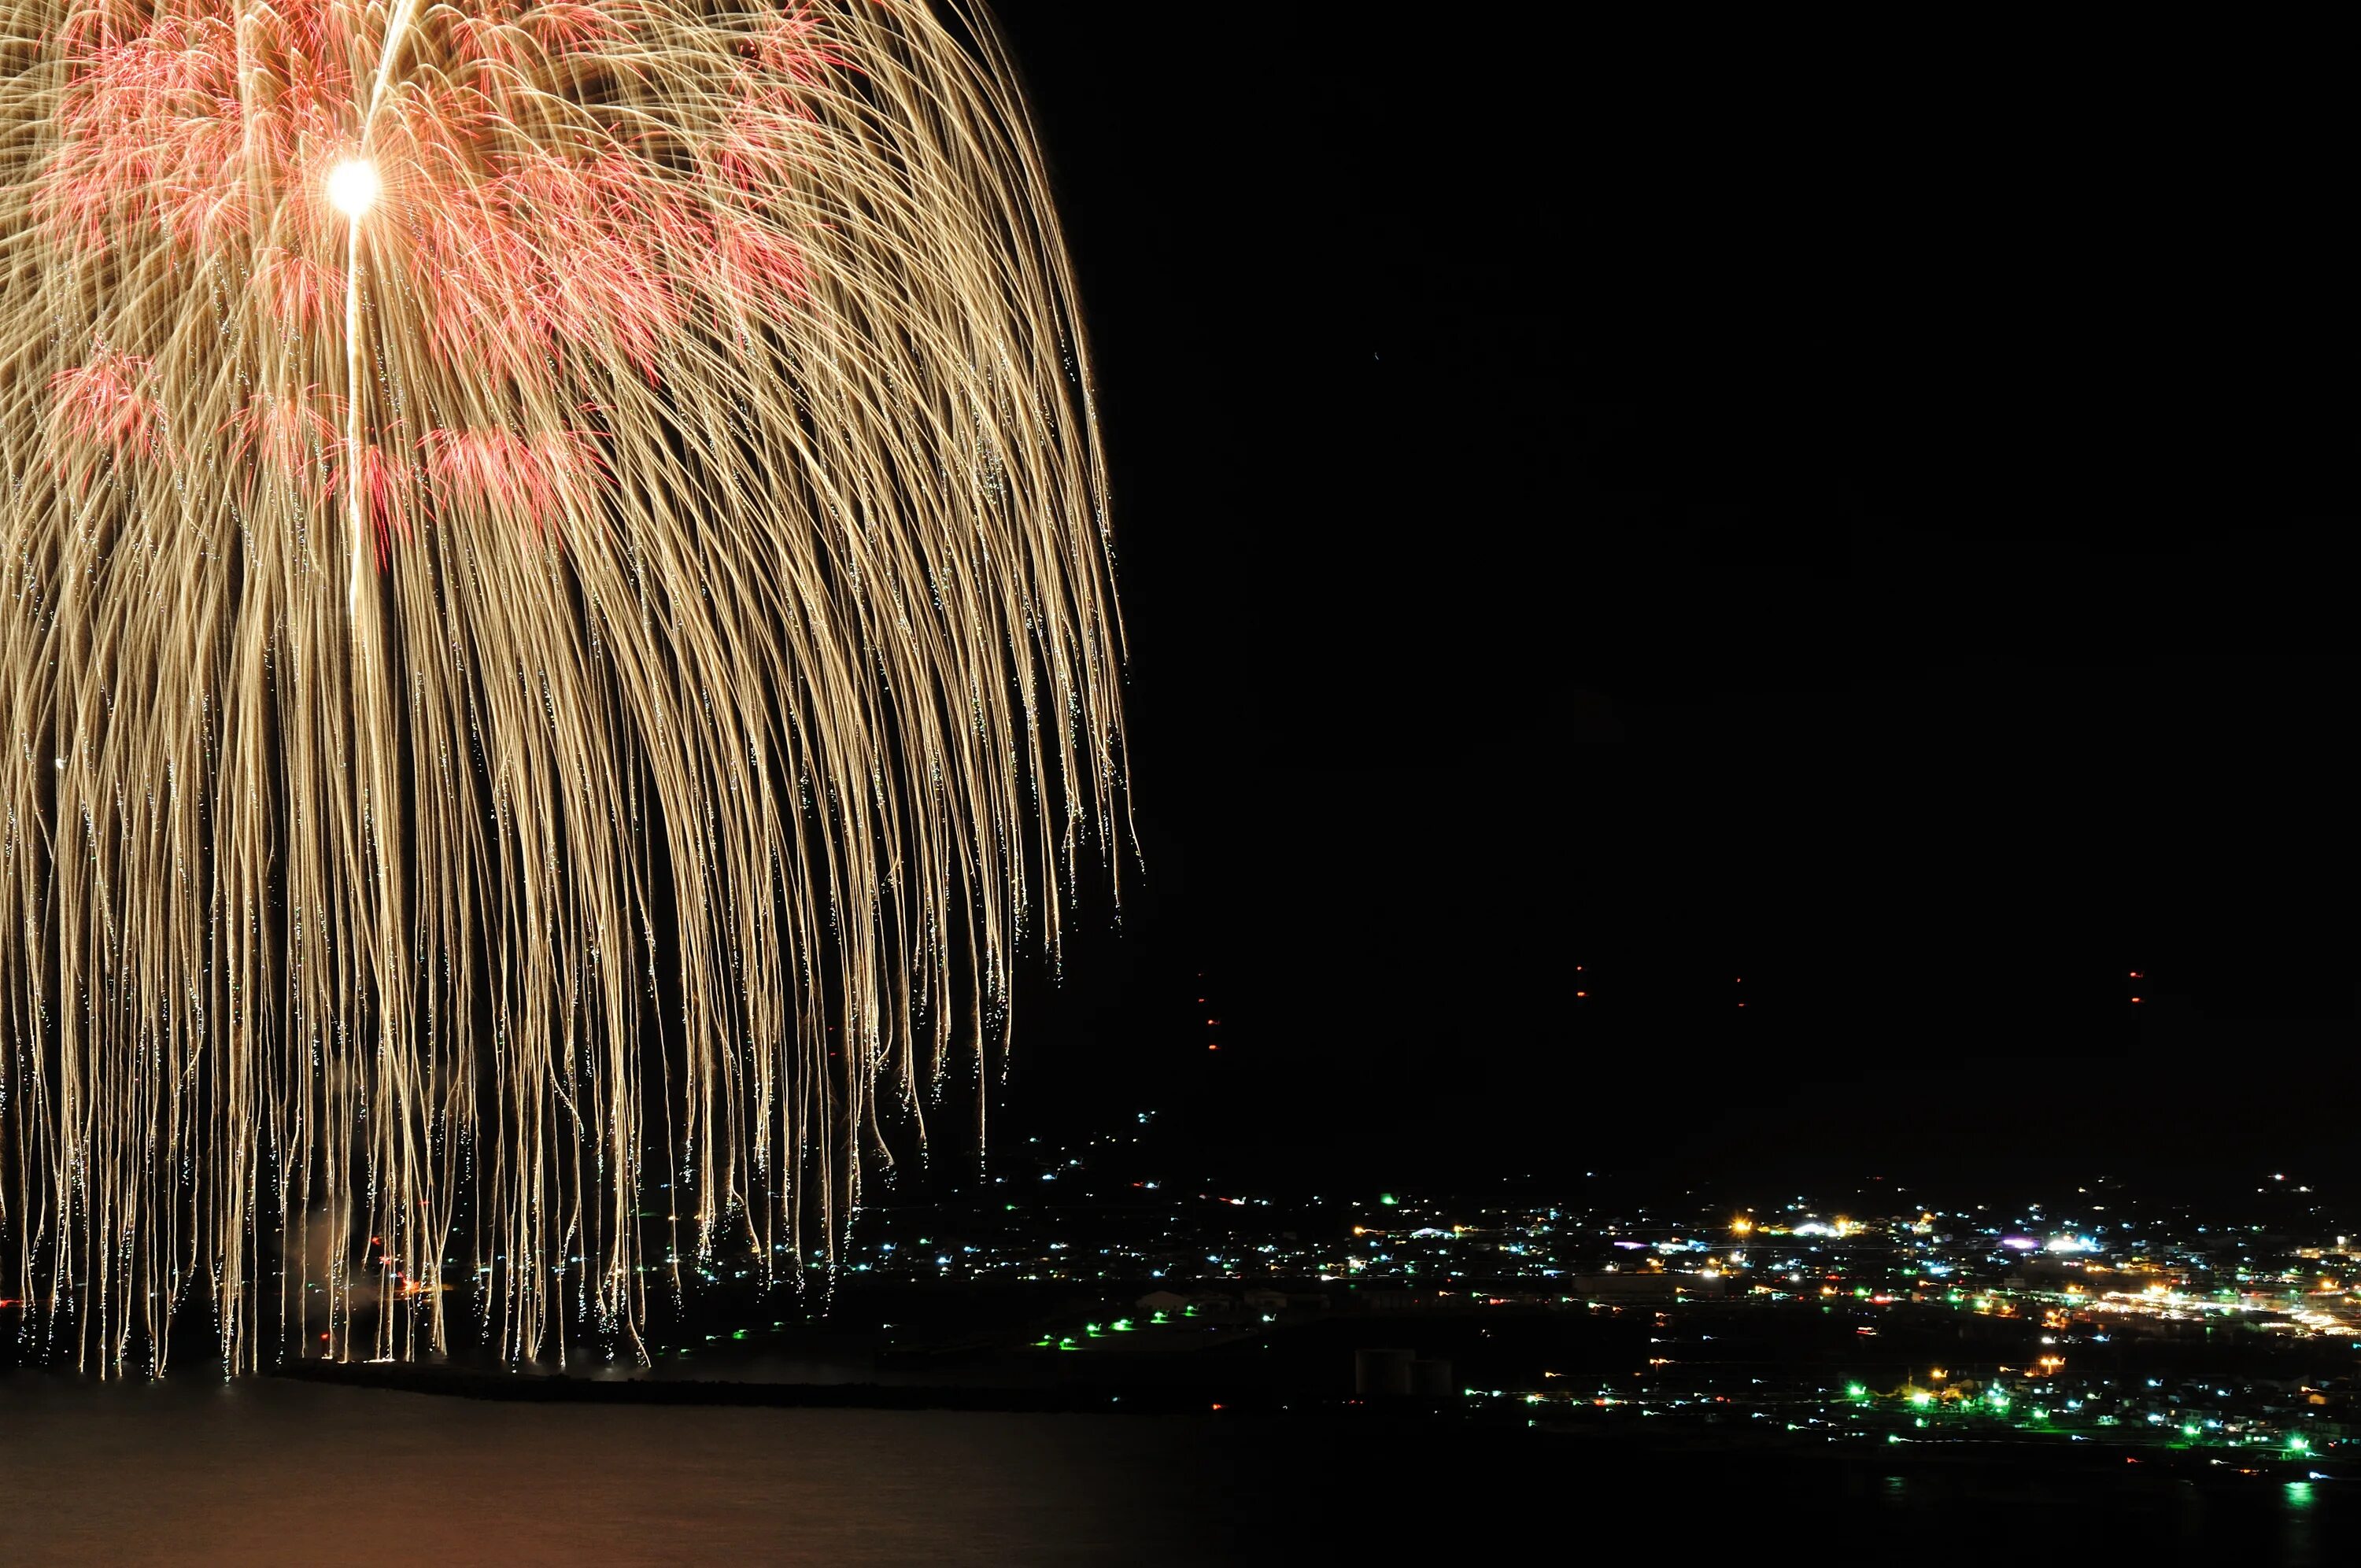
[
  {"x": 265, "y": 1470},
  {"x": 260, "y": 1471}
]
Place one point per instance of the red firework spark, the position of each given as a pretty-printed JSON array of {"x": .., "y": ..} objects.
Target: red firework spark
[{"x": 200, "y": 122}]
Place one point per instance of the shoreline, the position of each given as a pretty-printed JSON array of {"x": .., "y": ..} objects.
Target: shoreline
[
  {"x": 2082, "y": 1464},
  {"x": 567, "y": 1388}
]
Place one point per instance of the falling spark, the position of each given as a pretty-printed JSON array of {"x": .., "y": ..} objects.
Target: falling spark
[{"x": 556, "y": 552}]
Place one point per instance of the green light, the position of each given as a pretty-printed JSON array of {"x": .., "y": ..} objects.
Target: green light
[
  {"x": 2189, "y": 1432},
  {"x": 1121, "y": 1326},
  {"x": 1921, "y": 1422},
  {"x": 2299, "y": 1445},
  {"x": 1999, "y": 1399},
  {"x": 1388, "y": 1199},
  {"x": 1855, "y": 1391},
  {"x": 739, "y": 1335},
  {"x": 1922, "y": 1400},
  {"x": 1159, "y": 1317}
]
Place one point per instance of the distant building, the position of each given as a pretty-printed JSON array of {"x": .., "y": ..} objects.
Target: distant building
[
  {"x": 1645, "y": 1287},
  {"x": 1382, "y": 1374},
  {"x": 1382, "y": 1296},
  {"x": 1431, "y": 1379}
]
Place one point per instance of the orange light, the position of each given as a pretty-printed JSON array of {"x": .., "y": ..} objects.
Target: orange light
[
  {"x": 1582, "y": 993},
  {"x": 2134, "y": 999}
]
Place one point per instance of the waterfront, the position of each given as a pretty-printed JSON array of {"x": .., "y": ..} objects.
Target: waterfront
[{"x": 267, "y": 1471}]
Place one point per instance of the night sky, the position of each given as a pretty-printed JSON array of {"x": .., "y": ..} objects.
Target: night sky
[{"x": 1865, "y": 514}]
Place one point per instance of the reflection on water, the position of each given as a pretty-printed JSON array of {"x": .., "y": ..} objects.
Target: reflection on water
[
  {"x": 264, "y": 1472},
  {"x": 2284, "y": 1524},
  {"x": 269, "y": 1471}
]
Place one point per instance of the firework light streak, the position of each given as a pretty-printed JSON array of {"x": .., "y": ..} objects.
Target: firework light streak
[{"x": 558, "y": 612}]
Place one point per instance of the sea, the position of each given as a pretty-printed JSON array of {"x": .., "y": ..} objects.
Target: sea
[{"x": 268, "y": 1471}]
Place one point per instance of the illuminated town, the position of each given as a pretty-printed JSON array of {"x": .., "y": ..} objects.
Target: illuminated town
[{"x": 2108, "y": 1326}]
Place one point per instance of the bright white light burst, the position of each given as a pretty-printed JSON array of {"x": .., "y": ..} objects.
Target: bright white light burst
[{"x": 353, "y": 186}]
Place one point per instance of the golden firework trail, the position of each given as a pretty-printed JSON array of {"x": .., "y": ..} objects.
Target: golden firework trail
[{"x": 558, "y": 638}]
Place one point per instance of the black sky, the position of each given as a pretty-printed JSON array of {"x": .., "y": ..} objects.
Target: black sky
[{"x": 1869, "y": 512}]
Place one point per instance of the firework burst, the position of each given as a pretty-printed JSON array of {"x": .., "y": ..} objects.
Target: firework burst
[{"x": 558, "y": 617}]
